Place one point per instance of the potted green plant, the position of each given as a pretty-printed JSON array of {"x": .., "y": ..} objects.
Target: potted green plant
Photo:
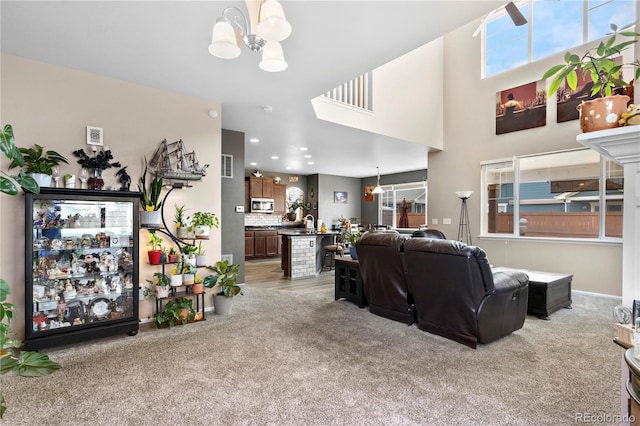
[
  {"x": 150, "y": 199},
  {"x": 155, "y": 242},
  {"x": 201, "y": 257},
  {"x": 39, "y": 163},
  {"x": 198, "y": 285},
  {"x": 188, "y": 274},
  {"x": 202, "y": 222},
  {"x": 12, "y": 152},
  {"x": 160, "y": 283},
  {"x": 352, "y": 238},
  {"x": 175, "y": 311},
  {"x": 181, "y": 221},
  {"x": 600, "y": 67},
  {"x": 224, "y": 280},
  {"x": 172, "y": 256},
  {"x": 176, "y": 273},
  {"x": 189, "y": 254},
  {"x": 293, "y": 209},
  {"x": 27, "y": 364}
]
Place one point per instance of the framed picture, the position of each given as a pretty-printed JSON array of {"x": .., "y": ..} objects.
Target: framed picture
[
  {"x": 314, "y": 206},
  {"x": 522, "y": 107},
  {"x": 340, "y": 197},
  {"x": 94, "y": 136},
  {"x": 368, "y": 193}
]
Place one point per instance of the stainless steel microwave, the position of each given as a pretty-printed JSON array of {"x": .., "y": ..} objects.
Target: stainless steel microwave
[{"x": 262, "y": 205}]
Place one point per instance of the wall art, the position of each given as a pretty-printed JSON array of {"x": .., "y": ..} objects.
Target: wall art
[{"x": 522, "y": 107}]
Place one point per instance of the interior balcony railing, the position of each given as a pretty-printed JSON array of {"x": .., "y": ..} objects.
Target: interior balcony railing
[{"x": 356, "y": 92}]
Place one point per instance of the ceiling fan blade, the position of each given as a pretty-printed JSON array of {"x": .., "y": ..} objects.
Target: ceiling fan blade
[{"x": 514, "y": 13}]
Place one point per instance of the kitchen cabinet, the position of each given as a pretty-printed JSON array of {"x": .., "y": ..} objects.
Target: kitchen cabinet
[
  {"x": 248, "y": 244},
  {"x": 247, "y": 197},
  {"x": 81, "y": 265},
  {"x": 261, "y": 187},
  {"x": 260, "y": 243},
  {"x": 279, "y": 198}
]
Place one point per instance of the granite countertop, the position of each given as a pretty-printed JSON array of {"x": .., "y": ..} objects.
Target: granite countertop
[{"x": 301, "y": 232}]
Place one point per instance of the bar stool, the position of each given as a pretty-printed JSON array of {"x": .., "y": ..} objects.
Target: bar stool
[{"x": 331, "y": 250}]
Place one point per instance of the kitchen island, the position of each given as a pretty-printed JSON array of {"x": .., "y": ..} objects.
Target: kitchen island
[{"x": 303, "y": 253}]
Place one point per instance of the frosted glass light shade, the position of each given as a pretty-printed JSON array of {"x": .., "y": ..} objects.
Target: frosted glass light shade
[
  {"x": 273, "y": 26},
  {"x": 223, "y": 41},
  {"x": 377, "y": 190},
  {"x": 273, "y": 58},
  {"x": 464, "y": 194}
]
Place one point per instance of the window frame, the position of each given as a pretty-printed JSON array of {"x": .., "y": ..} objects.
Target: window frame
[
  {"x": 603, "y": 198},
  {"x": 402, "y": 187},
  {"x": 501, "y": 13}
]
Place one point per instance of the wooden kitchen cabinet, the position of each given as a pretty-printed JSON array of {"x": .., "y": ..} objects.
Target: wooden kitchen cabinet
[
  {"x": 248, "y": 244},
  {"x": 261, "y": 187},
  {"x": 259, "y": 244},
  {"x": 279, "y": 197},
  {"x": 247, "y": 197},
  {"x": 271, "y": 243}
]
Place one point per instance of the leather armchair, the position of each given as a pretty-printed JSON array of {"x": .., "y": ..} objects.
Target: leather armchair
[
  {"x": 457, "y": 295},
  {"x": 383, "y": 275}
]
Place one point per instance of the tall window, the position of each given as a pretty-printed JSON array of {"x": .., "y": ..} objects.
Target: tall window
[
  {"x": 553, "y": 26},
  {"x": 403, "y": 205},
  {"x": 555, "y": 195}
]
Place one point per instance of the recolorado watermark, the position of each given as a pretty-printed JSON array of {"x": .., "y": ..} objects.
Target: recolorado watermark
[{"x": 603, "y": 418}]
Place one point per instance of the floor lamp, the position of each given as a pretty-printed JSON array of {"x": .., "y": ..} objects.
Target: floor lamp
[{"x": 464, "y": 217}]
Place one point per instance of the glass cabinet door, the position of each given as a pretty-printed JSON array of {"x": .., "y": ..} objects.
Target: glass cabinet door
[{"x": 82, "y": 262}]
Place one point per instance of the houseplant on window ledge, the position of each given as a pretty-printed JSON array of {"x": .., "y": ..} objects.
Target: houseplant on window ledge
[
  {"x": 150, "y": 215},
  {"x": 599, "y": 66},
  {"x": 223, "y": 280}
]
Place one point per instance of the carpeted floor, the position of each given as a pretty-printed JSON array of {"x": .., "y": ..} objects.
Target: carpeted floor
[{"x": 286, "y": 358}]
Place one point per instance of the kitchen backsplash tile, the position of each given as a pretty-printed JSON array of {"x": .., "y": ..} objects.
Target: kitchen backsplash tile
[{"x": 262, "y": 219}]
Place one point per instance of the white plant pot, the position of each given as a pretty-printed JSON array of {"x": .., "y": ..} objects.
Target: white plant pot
[
  {"x": 183, "y": 232},
  {"x": 202, "y": 231},
  {"x": 201, "y": 260},
  {"x": 162, "y": 291},
  {"x": 41, "y": 179},
  {"x": 153, "y": 218},
  {"x": 188, "y": 279},
  {"x": 190, "y": 261},
  {"x": 222, "y": 304},
  {"x": 176, "y": 280}
]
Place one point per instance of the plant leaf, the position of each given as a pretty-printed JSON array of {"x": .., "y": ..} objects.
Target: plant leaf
[
  {"x": 27, "y": 182},
  {"x": 7, "y": 187},
  {"x": 550, "y": 72},
  {"x": 35, "y": 364}
]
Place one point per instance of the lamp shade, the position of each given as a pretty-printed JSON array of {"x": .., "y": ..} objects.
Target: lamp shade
[
  {"x": 377, "y": 190},
  {"x": 272, "y": 57},
  {"x": 223, "y": 41},
  {"x": 273, "y": 26},
  {"x": 464, "y": 194}
]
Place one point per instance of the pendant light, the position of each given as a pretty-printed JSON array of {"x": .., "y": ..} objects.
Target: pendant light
[{"x": 378, "y": 189}]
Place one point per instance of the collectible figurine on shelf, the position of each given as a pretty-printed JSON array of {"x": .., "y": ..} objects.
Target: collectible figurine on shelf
[{"x": 124, "y": 179}]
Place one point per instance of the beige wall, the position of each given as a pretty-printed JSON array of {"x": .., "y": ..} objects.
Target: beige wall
[
  {"x": 52, "y": 106},
  {"x": 469, "y": 134}
]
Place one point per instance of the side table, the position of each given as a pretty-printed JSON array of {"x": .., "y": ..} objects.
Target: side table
[
  {"x": 548, "y": 292},
  {"x": 348, "y": 281}
]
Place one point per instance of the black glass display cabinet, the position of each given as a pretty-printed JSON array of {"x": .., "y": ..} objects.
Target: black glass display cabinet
[{"x": 81, "y": 265}]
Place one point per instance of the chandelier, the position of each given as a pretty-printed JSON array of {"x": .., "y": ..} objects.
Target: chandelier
[{"x": 272, "y": 28}]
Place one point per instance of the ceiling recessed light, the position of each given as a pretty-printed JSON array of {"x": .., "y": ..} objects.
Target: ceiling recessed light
[
  {"x": 254, "y": 140},
  {"x": 274, "y": 157},
  {"x": 307, "y": 156},
  {"x": 288, "y": 168},
  {"x": 303, "y": 148},
  {"x": 253, "y": 164},
  {"x": 309, "y": 162}
]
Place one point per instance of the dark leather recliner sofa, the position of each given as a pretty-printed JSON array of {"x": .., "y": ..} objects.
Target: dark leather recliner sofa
[
  {"x": 446, "y": 286},
  {"x": 383, "y": 275},
  {"x": 457, "y": 295}
]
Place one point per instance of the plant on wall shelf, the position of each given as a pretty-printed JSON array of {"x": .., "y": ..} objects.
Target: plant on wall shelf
[
  {"x": 37, "y": 160},
  {"x": 598, "y": 64},
  {"x": 150, "y": 197},
  {"x": 12, "y": 152}
]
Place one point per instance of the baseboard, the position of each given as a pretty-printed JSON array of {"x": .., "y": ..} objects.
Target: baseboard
[{"x": 590, "y": 293}]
